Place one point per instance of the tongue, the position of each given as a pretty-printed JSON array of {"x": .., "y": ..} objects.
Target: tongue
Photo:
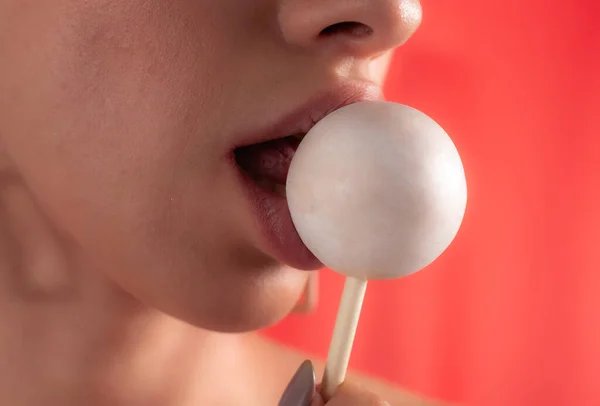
[{"x": 268, "y": 160}]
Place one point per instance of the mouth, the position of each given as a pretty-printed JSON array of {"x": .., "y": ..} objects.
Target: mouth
[
  {"x": 267, "y": 163},
  {"x": 263, "y": 159}
]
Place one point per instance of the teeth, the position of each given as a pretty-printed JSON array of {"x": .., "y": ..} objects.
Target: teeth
[{"x": 280, "y": 190}]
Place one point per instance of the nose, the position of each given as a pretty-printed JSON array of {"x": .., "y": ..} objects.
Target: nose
[{"x": 359, "y": 28}]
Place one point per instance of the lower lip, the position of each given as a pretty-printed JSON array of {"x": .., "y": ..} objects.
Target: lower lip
[{"x": 274, "y": 222}]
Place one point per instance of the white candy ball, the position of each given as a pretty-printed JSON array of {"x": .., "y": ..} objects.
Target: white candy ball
[{"x": 377, "y": 190}]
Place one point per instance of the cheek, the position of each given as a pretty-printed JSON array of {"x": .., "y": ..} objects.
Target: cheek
[{"x": 108, "y": 121}]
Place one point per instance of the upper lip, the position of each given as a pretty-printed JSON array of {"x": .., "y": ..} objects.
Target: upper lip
[{"x": 305, "y": 116}]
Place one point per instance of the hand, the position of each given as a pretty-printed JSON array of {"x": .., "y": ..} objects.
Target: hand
[
  {"x": 352, "y": 395},
  {"x": 302, "y": 391}
]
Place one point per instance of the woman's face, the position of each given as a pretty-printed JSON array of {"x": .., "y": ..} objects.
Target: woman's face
[{"x": 122, "y": 117}]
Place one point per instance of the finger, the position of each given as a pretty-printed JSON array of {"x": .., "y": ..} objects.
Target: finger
[
  {"x": 317, "y": 400},
  {"x": 301, "y": 389},
  {"x": 349, "y": 394}
]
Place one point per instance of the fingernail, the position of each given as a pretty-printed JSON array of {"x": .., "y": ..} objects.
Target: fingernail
[{"x": 301, "y": 389}]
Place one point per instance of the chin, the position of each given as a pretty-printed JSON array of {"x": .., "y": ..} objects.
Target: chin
[
  {"x": 237, "y": 303},
  {"x": 256, "y": 311},
  {"x": 252, "y": 299},
  {"x": 246, "y": 318},
  {"x": 233, "y": 290}
]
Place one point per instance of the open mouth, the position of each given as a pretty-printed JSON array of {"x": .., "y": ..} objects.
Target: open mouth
[
  {"x": 262, "y": 160},
  {"x": 264, "y": 169},
  {"x": 267, "y": 163}
]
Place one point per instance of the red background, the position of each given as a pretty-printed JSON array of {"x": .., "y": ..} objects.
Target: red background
[{"x": 510, "y": 314}]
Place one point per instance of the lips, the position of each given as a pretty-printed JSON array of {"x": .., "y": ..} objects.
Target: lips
[
  {"x": 262, "y": 158},
  {"x": 305, "y": 116}
]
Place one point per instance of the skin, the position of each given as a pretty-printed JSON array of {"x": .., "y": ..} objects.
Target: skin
[{"x": 126, "y": 248}]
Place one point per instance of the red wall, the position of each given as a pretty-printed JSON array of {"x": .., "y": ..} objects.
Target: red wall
[{"x": 510, "y": 314}]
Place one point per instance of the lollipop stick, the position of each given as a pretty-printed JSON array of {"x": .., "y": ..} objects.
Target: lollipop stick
[{"x": 343, "y": 335}]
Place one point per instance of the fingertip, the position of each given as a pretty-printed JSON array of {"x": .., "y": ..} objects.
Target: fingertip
[
  {"x": 317, "y": 400},
  {"x": 301, "y": 388},
  {"x": 353, "y": 393}
]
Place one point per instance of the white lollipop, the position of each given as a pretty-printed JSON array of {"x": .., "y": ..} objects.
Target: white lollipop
[{"x": 376, "y": 190}]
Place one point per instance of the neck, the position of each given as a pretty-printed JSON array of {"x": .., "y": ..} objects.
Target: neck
[{"x": 69, "y": 336}]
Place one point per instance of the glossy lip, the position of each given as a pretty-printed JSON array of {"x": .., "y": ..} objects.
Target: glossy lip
[
  {"x": 276, "y": 233},
  {"x": 302, "y": 119}
]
